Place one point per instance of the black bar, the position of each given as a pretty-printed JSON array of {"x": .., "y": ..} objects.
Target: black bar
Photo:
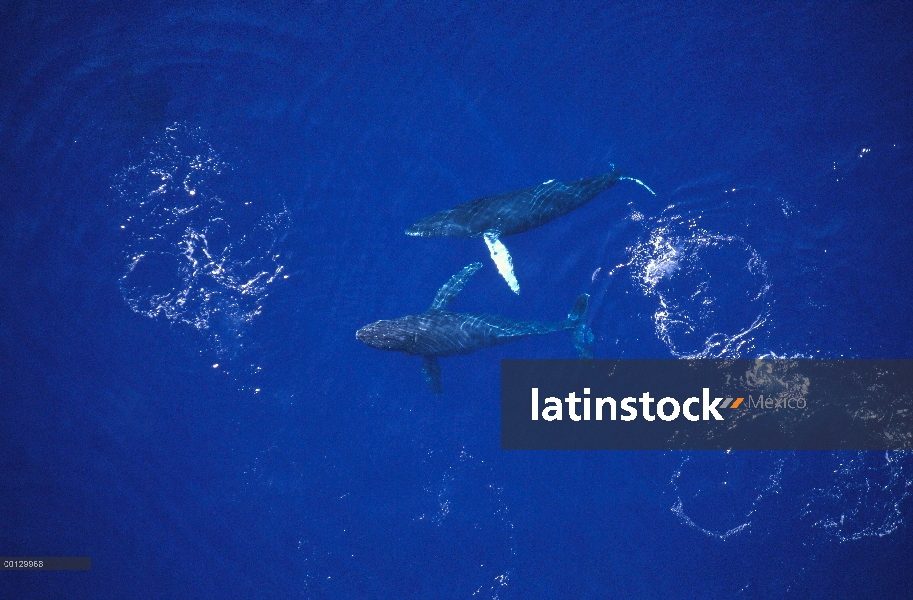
[
  {"x": 777, "y": 404},
  {"x": 45, "y": 563}
]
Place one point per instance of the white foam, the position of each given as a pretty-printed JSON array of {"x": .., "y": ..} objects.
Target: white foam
[
  {"x": 868, "y": 495},
  {"x": 681, "y": 266},
  {"x": 185, "y": 261}
]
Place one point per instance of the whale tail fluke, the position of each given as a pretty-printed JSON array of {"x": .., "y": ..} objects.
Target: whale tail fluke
[{"x": 576, "y": 323}]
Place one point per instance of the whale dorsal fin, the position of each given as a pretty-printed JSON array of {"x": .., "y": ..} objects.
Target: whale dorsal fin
[{"x": 450, "y": 289}]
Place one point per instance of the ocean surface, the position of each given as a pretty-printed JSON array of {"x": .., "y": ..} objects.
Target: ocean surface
[{"x": 200, "y": 203}]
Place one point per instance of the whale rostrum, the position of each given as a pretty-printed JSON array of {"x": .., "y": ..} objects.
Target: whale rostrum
[
  {"x": 438, "y": 332},
  {"x": 495, "y": 217}
]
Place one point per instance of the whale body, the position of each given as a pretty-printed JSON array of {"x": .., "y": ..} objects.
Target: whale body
[
  {"x": 438, "y": 332},
  {"x": 494, "y": 217}
]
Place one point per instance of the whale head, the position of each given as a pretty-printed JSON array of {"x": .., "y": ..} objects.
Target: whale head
[
  {"x": 387, "y": 335},
  {"x": 447, "y": 223}
]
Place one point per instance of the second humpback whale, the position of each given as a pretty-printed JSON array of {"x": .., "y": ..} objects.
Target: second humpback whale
[
  {"x": 438, "y": 332},
  {"x": 494, "y": 217}
]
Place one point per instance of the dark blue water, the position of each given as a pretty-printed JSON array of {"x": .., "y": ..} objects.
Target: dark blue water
[{"x": 202, "y": 203}]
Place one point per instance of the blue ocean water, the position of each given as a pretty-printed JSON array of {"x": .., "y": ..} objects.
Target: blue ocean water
[{"x": 201, "y": 203}]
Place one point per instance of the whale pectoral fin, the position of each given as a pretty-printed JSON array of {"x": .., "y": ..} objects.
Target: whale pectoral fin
[
  {"x": 454, "y": 285},
  {"x": 432, "y": 370},
  {"x": 502, "y": 259},
  {"x": 576, "y": 322}
]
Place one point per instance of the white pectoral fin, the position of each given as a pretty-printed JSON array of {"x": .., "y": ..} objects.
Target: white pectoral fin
[{"x": 502, "y": 259}]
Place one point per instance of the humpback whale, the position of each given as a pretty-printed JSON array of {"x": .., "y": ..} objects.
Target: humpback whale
[
  {"x": 494, "y": 217},
  {"x": 438, "y": 332}
]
